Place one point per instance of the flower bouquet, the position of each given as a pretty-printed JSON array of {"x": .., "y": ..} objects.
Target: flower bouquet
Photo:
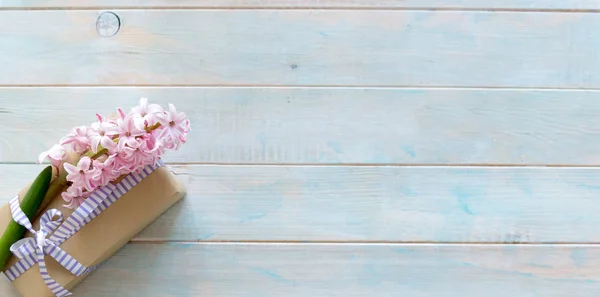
[{"x": 105, "y": 183}]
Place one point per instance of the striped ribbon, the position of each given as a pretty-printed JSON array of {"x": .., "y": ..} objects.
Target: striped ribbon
[{"x": 32, "y": 250}]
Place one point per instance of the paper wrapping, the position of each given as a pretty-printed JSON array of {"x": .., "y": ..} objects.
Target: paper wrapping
[{"x": 104, "y": 235}]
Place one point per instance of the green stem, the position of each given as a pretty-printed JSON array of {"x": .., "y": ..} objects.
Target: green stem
[{"x": 57, "y": 186}]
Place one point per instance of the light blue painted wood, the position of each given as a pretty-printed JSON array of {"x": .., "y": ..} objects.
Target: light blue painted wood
[
  {"x": 489, "y": 125},
  {"x": 249, "y": 270},
  {"x": 302, "y": 47},
  {"x": 380, "y": 4},
  {"x": 330, "y": 125},
  {"x": 364, "y": 203}
]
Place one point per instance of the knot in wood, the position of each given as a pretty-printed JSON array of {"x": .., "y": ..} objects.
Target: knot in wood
[{"x": 108, "y": 24}]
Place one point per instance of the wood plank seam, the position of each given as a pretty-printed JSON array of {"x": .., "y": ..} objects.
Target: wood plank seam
[
  {"x": 574, "y": 6},
  {"x": 341, "y": 8},
  {"x": 301, "y": 86},
  {"x": 364, "y": 242}
]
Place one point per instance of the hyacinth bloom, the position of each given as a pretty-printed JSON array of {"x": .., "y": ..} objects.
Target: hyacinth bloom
[
  {"x": 74, "y": 196},
  {"x": 126, "y": 129},
  {"x": 77, "y": 138},
  {"x": 105, "y": 172},
  {"x": 110, "y": 148},
  {"x": 81, "y": 175},
  {"x": 56, "y": 155},
  {"x": 98, "y": 132},
  {"x": 175, "y": 128},
  {"x": 144, "y": 114}
]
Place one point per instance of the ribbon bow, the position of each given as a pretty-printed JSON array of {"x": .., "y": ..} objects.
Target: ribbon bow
[
  {"x": 32, "y": 250},
  {"x": 40, "y": 245}
]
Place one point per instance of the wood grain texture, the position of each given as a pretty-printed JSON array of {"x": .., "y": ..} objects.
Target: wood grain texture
[
  {"x": 302, "y": 47},
  {"x": 282, "y": 4},
  {"x": 330, "y": 125},
  {"x": 366, "y": 84},
  {"x": 248, "y": 270},
  {"x": 392, "y": 204}
]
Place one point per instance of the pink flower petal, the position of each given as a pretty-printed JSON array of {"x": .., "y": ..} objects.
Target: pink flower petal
[
  {"x": 70, "y": 169},
  {"x": 84, "y": 163}
]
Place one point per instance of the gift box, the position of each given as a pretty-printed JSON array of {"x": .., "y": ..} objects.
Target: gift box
[{"x": 65, "y": 242}]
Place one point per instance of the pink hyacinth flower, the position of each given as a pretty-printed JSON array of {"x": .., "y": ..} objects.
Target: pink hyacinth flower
[
  {"x": 75, "y": 196},
  {"x": 111, "y": 146},
  {"x": 104, "y": 172},
  {"x": 174, "y": 128},
  {"x": 121, "y": 165},
  {"x": 125, "y": 129},
  {"x": 145, "y": 114},
  {"x": 56, "y": 154},
  {"x": 77, "y": 138},
  {"x": 155, "y": 146},
  {"x": 98, "y": 132},
  {"x": 139, "y": 152},
  {"x": 81, "y": 175}
]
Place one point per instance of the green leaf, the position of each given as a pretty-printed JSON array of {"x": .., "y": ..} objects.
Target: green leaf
[{"x": 30, "y": 204}]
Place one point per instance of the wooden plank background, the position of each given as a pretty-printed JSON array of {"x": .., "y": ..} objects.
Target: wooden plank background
[
  {"x": 303, "y": 48},
  {"x": 350, "y": 126},
  {"x": 373, "y": 204},
  {"x": 339, "y": 148}
]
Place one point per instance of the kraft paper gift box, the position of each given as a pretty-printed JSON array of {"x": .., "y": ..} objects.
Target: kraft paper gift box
[
  {"x": 104, "y": 235},
  {"x": 115, "y": 184}
]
